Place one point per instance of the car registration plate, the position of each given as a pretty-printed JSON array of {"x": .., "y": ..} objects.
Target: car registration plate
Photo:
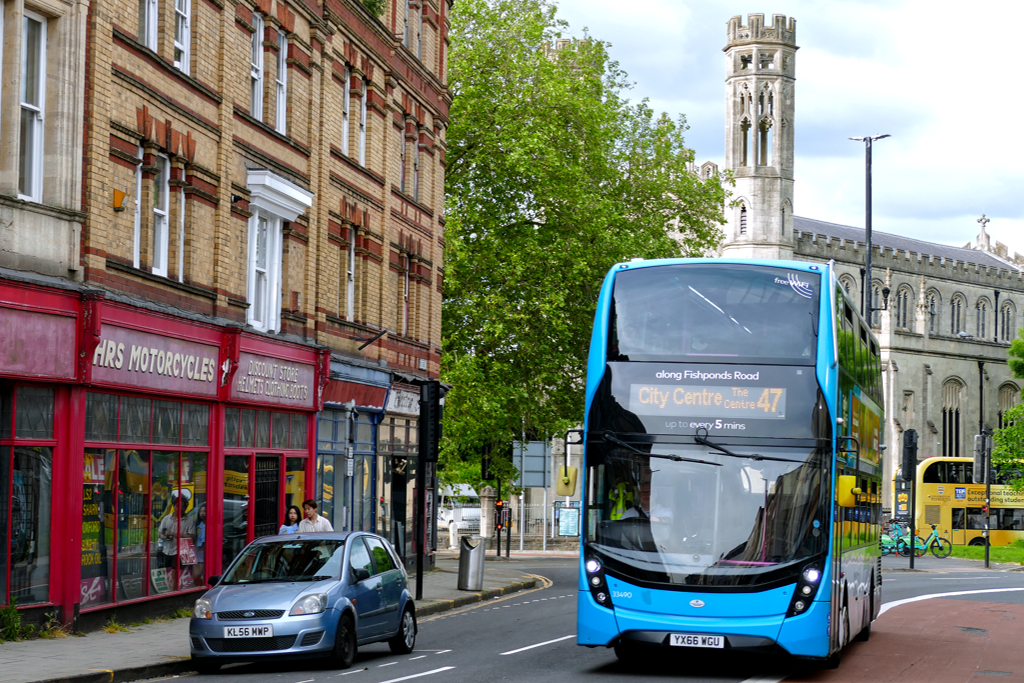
[
  {"x": 248, "y": 631},
  {"x": 696, "y": 640}
]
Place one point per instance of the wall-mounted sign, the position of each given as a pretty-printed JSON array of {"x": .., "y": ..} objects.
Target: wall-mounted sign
[
  {"x": 272, "y": 380},
  {"x": 37, "y": 344},
  {"x": 141, "y": 359},
  {"x": 403, "y": 403}
]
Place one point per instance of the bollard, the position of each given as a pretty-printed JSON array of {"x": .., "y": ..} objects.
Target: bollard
[{"x": 471, "y": 563}]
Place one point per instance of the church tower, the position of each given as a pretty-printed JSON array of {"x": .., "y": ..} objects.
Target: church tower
[{"x": 760, "y": 73}]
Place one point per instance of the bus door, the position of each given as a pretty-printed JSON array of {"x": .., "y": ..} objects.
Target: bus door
[{"x": 958, "y": 527}]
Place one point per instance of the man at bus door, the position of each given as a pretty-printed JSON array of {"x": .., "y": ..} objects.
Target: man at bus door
[{"x": 313, "y": 521}]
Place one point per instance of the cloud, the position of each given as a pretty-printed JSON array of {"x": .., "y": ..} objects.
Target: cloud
[{"x": 933, "y": 76}]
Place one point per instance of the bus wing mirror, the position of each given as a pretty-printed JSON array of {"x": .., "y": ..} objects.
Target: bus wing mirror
[
  {"x": 566, "y": 481},
  {"x": 847, "y": 491}
]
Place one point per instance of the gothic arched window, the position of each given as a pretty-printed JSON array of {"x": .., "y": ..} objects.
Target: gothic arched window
[
  {"x": 1009, "y": 396},
  {"x": 876, "y": 303},
  {"x": 904, "y": 317},
  {"x": 934, "y": 303},
  {"x": 743, "y": 219},
  {"x": 981, "y": 320},
  {"x": 1007, "y": 323},
  {"x": 952, "y": 403},
  {"x": 956, "y": 309}
]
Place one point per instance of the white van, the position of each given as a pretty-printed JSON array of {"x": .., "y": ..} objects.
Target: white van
[{"x": 458, "y": 512}]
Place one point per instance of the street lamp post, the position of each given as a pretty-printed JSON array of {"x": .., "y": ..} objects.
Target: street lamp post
[{"x": 867, "y": 286}]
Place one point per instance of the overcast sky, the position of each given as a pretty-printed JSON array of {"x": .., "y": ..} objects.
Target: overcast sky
[{"x": 934, "y": 75}]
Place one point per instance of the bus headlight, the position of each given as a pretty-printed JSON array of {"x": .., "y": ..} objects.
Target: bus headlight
[
  {"x": 598, "y": 585},
  {"x": 804, "y": 590},
  {"x": 593, "y": 566}
]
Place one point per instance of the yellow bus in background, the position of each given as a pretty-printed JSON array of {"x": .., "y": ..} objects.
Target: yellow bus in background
[{"x": 948, "y": 498}]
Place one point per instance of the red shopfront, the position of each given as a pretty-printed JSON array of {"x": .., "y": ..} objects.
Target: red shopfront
[{"x": 166, "y": 437}]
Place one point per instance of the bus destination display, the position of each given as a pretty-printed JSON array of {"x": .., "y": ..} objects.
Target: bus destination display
[{"x": 751, "y": 402}]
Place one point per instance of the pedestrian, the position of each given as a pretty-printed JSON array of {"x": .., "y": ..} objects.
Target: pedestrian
[
  {"x": 199, "y": 567},
  {"x": 313, "y": 521},
  {"x": 175, "y": 527},
  {"x": 292, "y": 517}
]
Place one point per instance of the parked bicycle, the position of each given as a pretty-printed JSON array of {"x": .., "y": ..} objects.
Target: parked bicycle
[{"x": 940, "y": 547}]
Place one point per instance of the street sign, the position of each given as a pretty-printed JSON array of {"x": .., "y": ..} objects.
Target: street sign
[{"x": 531, "y": 459}]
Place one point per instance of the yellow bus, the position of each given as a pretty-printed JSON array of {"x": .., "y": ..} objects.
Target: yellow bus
[{"x": 948, "y": 498}]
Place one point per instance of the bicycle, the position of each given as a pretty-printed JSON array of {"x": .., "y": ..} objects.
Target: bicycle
[{"x": 941, "y": 547}]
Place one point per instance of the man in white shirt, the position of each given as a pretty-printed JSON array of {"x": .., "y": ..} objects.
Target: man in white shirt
[{"x": 313, "y": 521}]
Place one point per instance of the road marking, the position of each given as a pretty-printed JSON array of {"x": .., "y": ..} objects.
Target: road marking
[
  {"x": 546, "y": 642},
  {"x": 441, "y": 652},
  {"x": 358, "y": 671},
  {"x": 896, "y": 603},
  {"x": 425, "y": 673},
  {"x": 415, "y": 658},
  {"x": 389, "y": 664},
  {"x": 309, "y": 681},
  {"x": 544, "y": 581}
]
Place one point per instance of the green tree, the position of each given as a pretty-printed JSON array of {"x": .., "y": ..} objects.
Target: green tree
[
  {"x": 552, "y": 177},
  {"x": 1008, "y": 442}
]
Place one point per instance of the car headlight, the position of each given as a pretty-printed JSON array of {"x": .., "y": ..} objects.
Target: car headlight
[
  {"x": 309, "y": 604},
  {"x": 203, "y": 609}
]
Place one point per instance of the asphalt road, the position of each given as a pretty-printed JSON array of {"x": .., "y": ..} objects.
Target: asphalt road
[{"x": 530, "y": 636}]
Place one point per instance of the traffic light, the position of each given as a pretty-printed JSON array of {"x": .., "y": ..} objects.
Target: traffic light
[
  {"x": 499, "y": 518},
  {"x": 431, "y": 418},
  {"x": 909, "y": 464},
  {"x": 981, "y": 447}
]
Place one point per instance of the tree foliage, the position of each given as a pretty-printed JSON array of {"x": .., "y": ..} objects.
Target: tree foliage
[
  {"x": 552, "y": 177},
  {"x": 1008, "y": 442}
]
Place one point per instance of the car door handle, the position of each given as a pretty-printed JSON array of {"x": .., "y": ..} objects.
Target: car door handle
[{"x": 380, "y": 589}]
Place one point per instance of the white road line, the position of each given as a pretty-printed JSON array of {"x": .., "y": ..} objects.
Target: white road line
[
  {"x": 415, "y": 658},
  {"x": 358, "y": 671},
  {"x": 425, "y": 673},
  {"x": 896, "y": 603},
  {"x": 546, "y": 642},
  {"x": 388, "y": 664},
  {"x": 309, "y": 681},
  {"x": 441, "y": 652}
]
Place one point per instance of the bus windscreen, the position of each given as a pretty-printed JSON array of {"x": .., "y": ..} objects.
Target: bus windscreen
[{"x": 715, "y": 313}]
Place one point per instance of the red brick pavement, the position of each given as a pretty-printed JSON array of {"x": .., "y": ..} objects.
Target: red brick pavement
[{"x": 936, "y": 641}]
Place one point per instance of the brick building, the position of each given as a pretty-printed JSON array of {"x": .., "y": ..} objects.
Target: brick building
[{"x": 235, "y": 252}]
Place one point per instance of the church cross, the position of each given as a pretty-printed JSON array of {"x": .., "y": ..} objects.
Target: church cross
[{"x": 984, "y": 221}]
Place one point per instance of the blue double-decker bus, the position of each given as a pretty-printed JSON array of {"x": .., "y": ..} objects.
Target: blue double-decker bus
[{"x": 732, "y": 461}]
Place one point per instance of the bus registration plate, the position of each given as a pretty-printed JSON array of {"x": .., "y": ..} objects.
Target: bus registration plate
[
  {"x": 696, "y": 640},
  {"x": 248, "y": 631}
]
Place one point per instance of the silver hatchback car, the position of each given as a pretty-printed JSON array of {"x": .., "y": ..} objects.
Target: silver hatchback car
[{"x": 305, "y": 595}]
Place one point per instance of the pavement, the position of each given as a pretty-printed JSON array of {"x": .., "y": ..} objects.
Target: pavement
[
  {"x": 928, "y": 641},
  {"x": 162, "y": 648}
]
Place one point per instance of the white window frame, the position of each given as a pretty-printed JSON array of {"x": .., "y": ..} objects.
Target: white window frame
[
  {"x": 419, "y": 34},
  {"x": 362, "y": 127},
  {"x": 161, "y": 211},
  {"x": 30, "y": 156},
  {"x": 264, "y": 279},
  {"x": 345, "y": 102},
  {"x": 416, "y": 167},
  {"x": 182, "y": 43},
  {"x": 256, "y": 67},
  {"x": 149, "y": 23},
  {"x": 281, "y": 123},
  {"x": 137, "y": 252},
  {"x": 350, "y": 288},
  {"x": 406, "y": 265},
  {"x": 276, "y": 200},
  {"x": 402, "y": 157},
  {"x": 406, "y": 39}
]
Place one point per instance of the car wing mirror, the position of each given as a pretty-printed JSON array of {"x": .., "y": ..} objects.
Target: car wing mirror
[
  {"x": 360, "y": 574},
  {"x": 214, "y": 580}
]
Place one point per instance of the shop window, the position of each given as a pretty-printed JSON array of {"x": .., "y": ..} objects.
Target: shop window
[
  {"x": 236, "y": 506},
  {"x": 26, "y": 471},
  {"x": 143, "y": 510},
  {"x": 245, "y": 428}
]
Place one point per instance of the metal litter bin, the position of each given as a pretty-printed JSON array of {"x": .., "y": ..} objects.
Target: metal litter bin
[{"x": 471, "y": 563}]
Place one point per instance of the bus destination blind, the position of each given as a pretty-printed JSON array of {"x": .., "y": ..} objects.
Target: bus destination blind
[{"x": 670, "y": 400}]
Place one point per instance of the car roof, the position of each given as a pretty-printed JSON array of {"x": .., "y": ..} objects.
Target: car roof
[{"x": 319, "y": 536}]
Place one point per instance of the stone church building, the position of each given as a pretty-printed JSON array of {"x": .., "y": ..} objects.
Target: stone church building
[{"x": 951, "y": 312}]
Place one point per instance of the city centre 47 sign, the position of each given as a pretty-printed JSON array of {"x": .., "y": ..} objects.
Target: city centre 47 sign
[{"x": 714, "y": 401}]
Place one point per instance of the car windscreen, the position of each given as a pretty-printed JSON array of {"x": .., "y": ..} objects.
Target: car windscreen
[
  {"x": 286, "y": 561},
  {"x": 715, "y": 313}
]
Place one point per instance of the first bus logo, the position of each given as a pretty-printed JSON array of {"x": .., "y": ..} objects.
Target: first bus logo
[{"x": 799, "y": 286}]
